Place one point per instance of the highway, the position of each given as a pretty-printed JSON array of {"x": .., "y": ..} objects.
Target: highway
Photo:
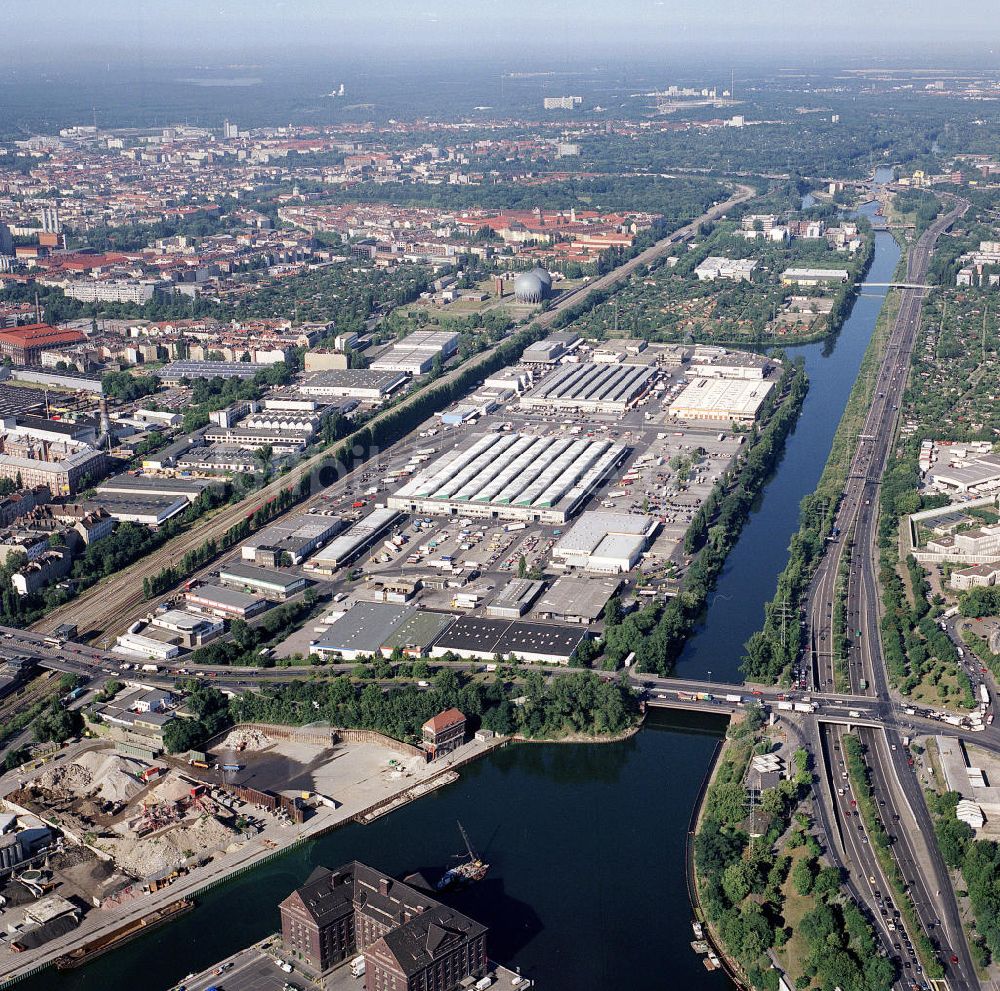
[
  {"x": 896, "y": 787},
  {"x": 115, "y": 602}
]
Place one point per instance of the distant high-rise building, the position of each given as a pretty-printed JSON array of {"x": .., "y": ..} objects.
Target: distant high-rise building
[
  {"x": 6, "y": 240},
  {"x": 230, "y": 130},
  {"x": 50, "y": 220},
  {"x": 562, "y": 102}
]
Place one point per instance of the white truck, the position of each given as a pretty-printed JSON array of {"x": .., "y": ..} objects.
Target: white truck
[
  {"x": 738, "y": 699},
  {"x": 358, "y": 966},
  {"x": 151, "y": 668},
  {"x": 786, "y": 706},
  {"x": 804, "y": 707}
]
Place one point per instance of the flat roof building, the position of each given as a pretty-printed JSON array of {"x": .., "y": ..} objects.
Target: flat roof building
[
  {"x": 148, "y": 510},
  {"x": 573, "y": 599},
  {"x": 549, "y": 350},
  {"x": 152, "y": 485},
  {"x": 221, "y": 601},
  {"x": 514, "y": 599},
  {"x": 177, "y": 370},
  {"x": 485, "y": 639},
  {"x": 416, "y": 352},
  {"x": 191, "y": 630},
  {"x": 813, "y": 276},
  {"x": 731, "y": 400},
  {"x": 736, "y": 269},
  {"x": 265, "y": 581},
  {"x": 512, "y": 476},
  {"x": 356, "y": 383},
  {"x": 350, "y": 545},
  {"x": 606, "y": 543},
  {"x": 370, "y": 628},
  {"x": 297, "y": 536}
]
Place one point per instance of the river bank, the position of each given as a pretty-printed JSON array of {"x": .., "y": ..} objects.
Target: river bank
[{"x": 365, "y": 805}]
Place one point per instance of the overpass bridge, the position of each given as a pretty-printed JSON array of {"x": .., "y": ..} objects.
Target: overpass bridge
[{"x": 896, "y": 285}]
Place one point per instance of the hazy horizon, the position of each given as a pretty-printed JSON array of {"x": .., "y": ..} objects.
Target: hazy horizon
[{"x": 779, "y": 32}]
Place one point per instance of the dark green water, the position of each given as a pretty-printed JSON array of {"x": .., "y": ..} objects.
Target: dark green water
[
  {"x": 586, "y": 843},
  {"x": 586, "y": 888}
]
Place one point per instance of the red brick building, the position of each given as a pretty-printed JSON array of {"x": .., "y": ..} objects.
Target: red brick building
[
  {"x": 410, "y": 942},
  {"x": 24, "y": 345},
  {"x": 443, "y": 733}
]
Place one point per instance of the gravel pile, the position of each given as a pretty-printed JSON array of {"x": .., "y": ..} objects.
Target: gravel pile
[{"x": 246, "y": 739}]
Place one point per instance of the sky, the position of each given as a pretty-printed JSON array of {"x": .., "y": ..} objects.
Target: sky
[{"x": 773, "y": 30}]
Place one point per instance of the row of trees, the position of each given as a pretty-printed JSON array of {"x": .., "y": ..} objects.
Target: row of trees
[
  {"x": 168, "y": 576},
  {"x": 574, "y": 703},
  {"x": 861, "y": 787},
  {"x": 773, "y": 649}
]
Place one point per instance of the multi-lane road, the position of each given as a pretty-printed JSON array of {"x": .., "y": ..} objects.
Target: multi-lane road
[{"x": 896, "y": 789}]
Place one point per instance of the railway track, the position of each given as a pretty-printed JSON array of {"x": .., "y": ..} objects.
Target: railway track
[{"x": 115, "y": 602}]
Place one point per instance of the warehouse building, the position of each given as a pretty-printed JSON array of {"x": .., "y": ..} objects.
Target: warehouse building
[
  {"x": 514, "y": 599},
  {"x": 416, "y": 352},
  {"x": 486, "y": 639},
  {"x": 263, "y": 581},
  {"x": 148, "y": 648},
  {"x": 573, "y": 599},
  {"x": 147, "y": 510},
  {"x": 606, "y": 543},
  {"x": 354, "y": 383},
  {"x": 225, "y": 602},
  {"x": 148, "y": 485},
  {"x": 813, "y": 276},
  {"x": 981, "y": 473},
  {"x": 370, "y": 628},
  {"x": 175, "y": 371},
  {"x": 349, "y": 546},
  {"x": 731, "y": 400},
  {"x": 415, "y": 634},
  {"x": 551, "y": 349},
  {"x": 297, "y": 536},
  {"x": 512, "y": 476},
  {"x": 592, "y": 387},
  {"x": 714, "y": 362}
]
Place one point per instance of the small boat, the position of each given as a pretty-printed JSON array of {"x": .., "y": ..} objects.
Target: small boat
[
  {"x": 699, "y": 946},
  {"x": 698, "y": 930},
  {"x": 713, "y": 960},
  {"x": 473, "y": 869}
]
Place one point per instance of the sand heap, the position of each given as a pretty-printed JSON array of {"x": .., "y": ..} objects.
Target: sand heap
[
  {"x": 98, "y": 774},
  {"x": 200, "y": 836}
]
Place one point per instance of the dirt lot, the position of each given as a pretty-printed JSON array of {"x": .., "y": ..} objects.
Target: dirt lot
[{"x": 290, "y": 767}]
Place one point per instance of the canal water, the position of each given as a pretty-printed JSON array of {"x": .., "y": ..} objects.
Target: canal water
[
  {"x": 586, "y": 843},
  {"x": 735, "y": 609}
]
